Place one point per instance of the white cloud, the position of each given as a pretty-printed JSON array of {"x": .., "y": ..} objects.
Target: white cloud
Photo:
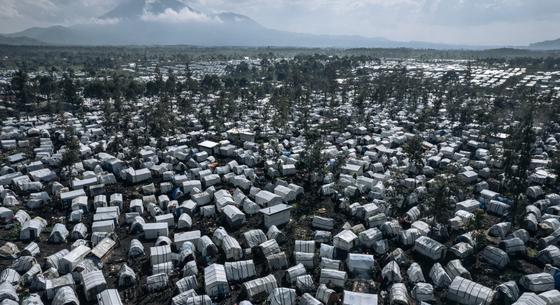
[
  {"x": 9, "y": 9},
  {"x": 480, "y": 22},
  {"x": 183, "y": 16},
  {"x": 103, "y": 21}
]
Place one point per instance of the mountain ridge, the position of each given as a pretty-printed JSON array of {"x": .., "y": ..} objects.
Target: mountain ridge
[
  {"x": 174, "y": 22},
  {"x": 19, "y": 41},
  {"x": 546, "y": 45}
]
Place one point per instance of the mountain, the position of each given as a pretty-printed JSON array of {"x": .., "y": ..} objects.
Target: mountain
[
  {"x": 174, "y": 22},
  {"x": 19, "y": 41},
  {"x": 58, "y": 35},
  {"x": 546, "y": 45}
]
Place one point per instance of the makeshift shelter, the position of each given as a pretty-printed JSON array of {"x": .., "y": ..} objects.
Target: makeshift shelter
[
  {"x": 187, "y": 283},
  {"x": 325, "y": 295},
  {"x": 513, "y": 246},
  {"x": 277, "y": 261},
  {"x": 234, "y": 217},
  {"x": 65, "y": 296},
  {"x": 9, "y": 275},
  {"x": 261, "y": 286},
  {"x": 109, "y": 297},
  {"x": 399, "y": 295},
  {"x": 360, "y": 265},
  {"x": 93, "y": 283},
  {"x": 79, "y": 231},
  {"x": 455, "y": 268},
  {"x": 206, "y": 247},
  {"x": 304, "y": 283},
  {"x": 58, "y": 234},
  {"x": 439, "y": 277},
  {"x": 415, "y": 274},
  {"x": 305, "y": 246},
  {"x": 157, "y": 282},
  {"x": 32, "y": 229},
  {"x": 254, "y": 238},
  {"x": 529, "y": 298},
  {"x": 184, "y": 222},
  {"x": 293, "y": 272},
  {"x": 276, "y": 215},
  {"x": 467, "y": 292},
  {"x": 391, "y": 273},
  {"x": 136, "y": 248},
  {"x": 231, "y": 248},
  {"x": 429, "y": 248},
  {"x": 282, "y": 296},
  {"x": 267, "y": 199},
  {"x": 215, "y": 281},
  {"x": 494, "y": 256},
  {"x": 181, "y": 298},
  {"x": 322, "y": 223},
  {"x": 551, "y": 297},
  {"x": 52, "y": 261},
  {"x": 23, "y": 263},
  {"x": 8, "y": 292},
  {"x": 307, "y": 259},
  {"x": 126, "y": 277},
  {"x": 358, "y": 298},
  {"x": 160, "y": 254},
  {"x": 345, "y": 240},
  {"x": 308, "y": 299},
  {"x": 333, "y": 278},
  {"x": 240, "y": 270},
  {"x": 155, "y": 230},
  {"x": 71, "y": 260},
  {"x": 423, "y": 292},
  {"x": 508, "y": 291},
  {"x": 537, "y": 282}
]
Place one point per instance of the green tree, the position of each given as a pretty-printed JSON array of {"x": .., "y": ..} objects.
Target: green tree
[
  {"x": 314, "y": 162},
  {"x": 437, "y": 201},
  {"x": 477, "y": 228},
  {"x": 23, "y": 91},
  {"x": 517, "y": 158},
  {"x": 69, "y": 90},
  {"x": 71, "y": 153},
  {"x": 414, "y": 150},
  {"x": 46, "y": 86}
]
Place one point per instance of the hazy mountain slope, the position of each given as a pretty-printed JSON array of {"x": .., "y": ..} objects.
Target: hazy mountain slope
[
  {"x": 546, "y": 45},
  {"x": 58, "y": 35},
  {"x": 19, "y": 41},
  {"x": 172, "y": 22}
]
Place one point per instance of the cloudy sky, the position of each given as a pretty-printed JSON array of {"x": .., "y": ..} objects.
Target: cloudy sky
[{"x": 477, "y": 22}]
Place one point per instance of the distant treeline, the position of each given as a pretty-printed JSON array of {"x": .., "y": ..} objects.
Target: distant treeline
[{"x": 37, "y": 57}]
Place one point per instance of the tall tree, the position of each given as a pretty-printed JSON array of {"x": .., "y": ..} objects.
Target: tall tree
[
  {"x": 22, "y": 90},
  {"x": 517, "y": 158},
  {"x": 46, "y": 86},
  {"x": 414, "y": 150},
  {"x": 71, "y": 154},
  {"x": 69, "y": 90}
]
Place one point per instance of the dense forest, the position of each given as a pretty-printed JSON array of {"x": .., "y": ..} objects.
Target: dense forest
[{"x": 111, "y": 57}]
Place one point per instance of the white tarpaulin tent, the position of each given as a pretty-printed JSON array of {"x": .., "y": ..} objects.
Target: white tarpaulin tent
[
  {"x": 466, "y": 292},
  {"x": 215, "y": 281}
]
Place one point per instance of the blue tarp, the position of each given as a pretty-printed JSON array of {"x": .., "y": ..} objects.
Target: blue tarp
[
  {"x": 557, "y": 280},
  {"x": 482, "y": 204},
  {"x": 174, "y": 193}
]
